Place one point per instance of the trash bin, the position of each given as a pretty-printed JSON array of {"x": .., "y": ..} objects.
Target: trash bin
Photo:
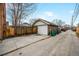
[{"x": 53, "y": 33}]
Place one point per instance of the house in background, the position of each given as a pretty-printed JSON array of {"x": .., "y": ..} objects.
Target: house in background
[
  {"x": 25, "y": 24},
  {"x": 65, "y": 27},
  {"x": 44, "y": 27}
]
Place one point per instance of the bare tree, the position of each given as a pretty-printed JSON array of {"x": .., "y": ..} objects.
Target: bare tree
[
  {"x": 18, "y": 11},
  {"x": 32, "y": 21},
  {"x": 58, "y": 22}
]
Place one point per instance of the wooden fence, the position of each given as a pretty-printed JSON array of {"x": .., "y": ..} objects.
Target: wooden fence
[
  {"x": 23, "y": 30},
  {"x": 77, "y": 31}
]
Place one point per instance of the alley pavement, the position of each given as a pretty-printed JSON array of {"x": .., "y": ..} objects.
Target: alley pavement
[
  {"x": 12, "y": 44},
  {"x": 63, "y": 44}
]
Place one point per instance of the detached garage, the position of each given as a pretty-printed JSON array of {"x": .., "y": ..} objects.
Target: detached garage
[{"x": 44, "y": 27}]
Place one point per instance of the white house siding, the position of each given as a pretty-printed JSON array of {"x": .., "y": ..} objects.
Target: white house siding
[
  {"x": 39, "y": 23},
  {"x": 43, "y": 29}
]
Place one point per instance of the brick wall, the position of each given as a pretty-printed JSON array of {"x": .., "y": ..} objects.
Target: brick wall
[{"x": 2, "y": 20}]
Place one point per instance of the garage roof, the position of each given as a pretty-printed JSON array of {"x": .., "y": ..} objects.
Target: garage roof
[{"x": 44, "y": 21}]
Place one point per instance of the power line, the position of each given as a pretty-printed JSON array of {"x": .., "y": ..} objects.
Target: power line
[{"x": 75, "y": 14}]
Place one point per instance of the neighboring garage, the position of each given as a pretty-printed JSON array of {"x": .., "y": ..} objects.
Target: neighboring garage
[{"x": 44, "y": 27}]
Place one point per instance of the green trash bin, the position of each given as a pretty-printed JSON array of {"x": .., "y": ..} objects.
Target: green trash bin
[{"x": 52, "y": 33}]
